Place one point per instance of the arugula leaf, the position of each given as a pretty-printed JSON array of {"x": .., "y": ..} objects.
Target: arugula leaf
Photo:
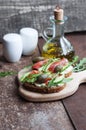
[
  {"x": 24, "y": 76},
  {"x": 51, "y": 83},
  {"x": 80, "y": 66},
  {"x": 64, "y": 80},
  {"x": 7, "y": 73},
  {"x": 30, "y": 78},
  {"x": 74, "y": 61}
]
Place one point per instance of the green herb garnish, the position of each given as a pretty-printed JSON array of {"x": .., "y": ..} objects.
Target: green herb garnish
[
  {"x": 6, "y": 73},
  {"x": 24, "y": 76},
  {"x": 64, "y": 80},
  {"x": 80, "y": 66},
  {"x": 31, "y": 78},
  {"x": 74, "y": 61}
]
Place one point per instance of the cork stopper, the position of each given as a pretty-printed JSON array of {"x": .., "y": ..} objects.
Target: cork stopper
[{"x": 58, "y": 14}]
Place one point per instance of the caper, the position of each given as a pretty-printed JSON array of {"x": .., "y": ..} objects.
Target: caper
[
  {"x": 58, "y": 68},
  {"x": 41, "y": 78},
  {"x": 37, "y": 59}
]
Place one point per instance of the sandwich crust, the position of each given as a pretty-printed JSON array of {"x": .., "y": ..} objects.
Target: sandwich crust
[{"x": 35, "y": 88}]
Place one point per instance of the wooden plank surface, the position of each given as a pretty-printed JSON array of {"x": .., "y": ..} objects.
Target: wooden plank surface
[
  {"x": 76, "y": 108},
  {"x": 76, "y": 104}
]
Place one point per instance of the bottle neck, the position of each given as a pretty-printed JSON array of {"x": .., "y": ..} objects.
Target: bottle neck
[{"x": 59, "y": 30}]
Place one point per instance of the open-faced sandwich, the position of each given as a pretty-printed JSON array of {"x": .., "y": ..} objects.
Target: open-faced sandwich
[{"x": 47, "y": 75}]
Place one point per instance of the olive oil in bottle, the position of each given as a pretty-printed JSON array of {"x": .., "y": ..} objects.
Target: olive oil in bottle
[{"x": 58, "y": 46}]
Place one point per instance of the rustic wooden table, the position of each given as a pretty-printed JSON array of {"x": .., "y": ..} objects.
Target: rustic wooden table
[{"x": 19, "y": 114}]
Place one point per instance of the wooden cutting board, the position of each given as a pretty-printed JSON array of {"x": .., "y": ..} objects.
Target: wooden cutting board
[{"x": 70, "y": 89}]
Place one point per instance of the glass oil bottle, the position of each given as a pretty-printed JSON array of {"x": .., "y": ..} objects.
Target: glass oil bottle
[{"x": 58, "y": 46}]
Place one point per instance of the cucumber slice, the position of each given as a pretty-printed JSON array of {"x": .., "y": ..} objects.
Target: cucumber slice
[{"x": 58, "y": 79}]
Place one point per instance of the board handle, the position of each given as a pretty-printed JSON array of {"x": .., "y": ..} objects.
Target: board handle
[{"x": 80, "y": 77}]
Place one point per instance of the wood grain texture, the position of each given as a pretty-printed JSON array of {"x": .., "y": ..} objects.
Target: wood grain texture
[
  {"x": 75, "y": 105},
  {"x": 76, "y": 108}
]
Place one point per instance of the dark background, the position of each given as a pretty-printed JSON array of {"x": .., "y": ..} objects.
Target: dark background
[{"x": 15, "y": 14}]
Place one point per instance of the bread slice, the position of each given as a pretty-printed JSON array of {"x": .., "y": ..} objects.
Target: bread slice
[
  {"x": 45, "y": 88},
  {"x": 35, "y": 88}
]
